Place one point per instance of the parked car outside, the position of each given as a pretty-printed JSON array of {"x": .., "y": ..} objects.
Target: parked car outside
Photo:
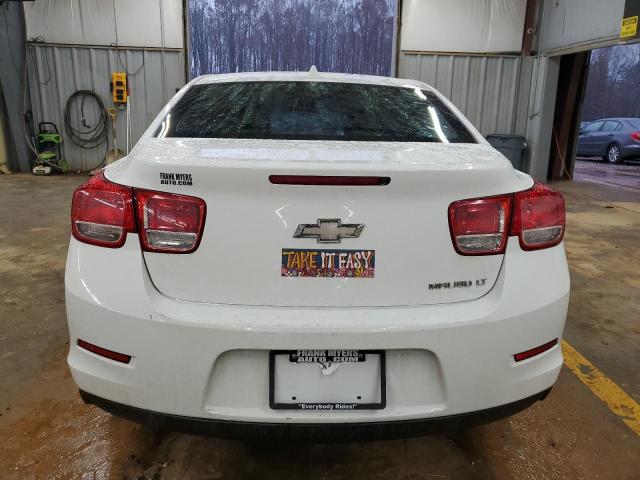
[
  {"x": 612, "y": 139},
  {"x": 322, "y": 256}
]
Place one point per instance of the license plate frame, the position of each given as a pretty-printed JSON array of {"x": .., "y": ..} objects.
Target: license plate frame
[{"x": 326, "y": 406}]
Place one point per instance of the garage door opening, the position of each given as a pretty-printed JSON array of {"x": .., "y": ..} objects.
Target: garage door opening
[
  {"x": 566, "y": 122},
  {"x": 596, "y": 127}
]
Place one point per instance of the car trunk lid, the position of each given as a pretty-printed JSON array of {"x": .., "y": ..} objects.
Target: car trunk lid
[{"x": 245, "y": 254}]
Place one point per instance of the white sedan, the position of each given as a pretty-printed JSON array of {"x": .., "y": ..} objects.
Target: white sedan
[{"x": 320, "y": 256}]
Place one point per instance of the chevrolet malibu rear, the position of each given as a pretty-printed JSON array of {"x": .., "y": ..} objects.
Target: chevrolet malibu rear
[{"x": 320, "y": 256}]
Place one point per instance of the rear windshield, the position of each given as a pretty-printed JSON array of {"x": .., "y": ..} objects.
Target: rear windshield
[
  {"x": 313, "y": 111},
  {"x": 635, "y": 123}
]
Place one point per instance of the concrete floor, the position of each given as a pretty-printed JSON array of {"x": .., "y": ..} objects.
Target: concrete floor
[
  {"x": 625, "y": 176},
  {"x": 47, "y": 432}
]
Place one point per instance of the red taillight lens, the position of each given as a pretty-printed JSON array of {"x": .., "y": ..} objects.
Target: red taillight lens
[
  {"x": 169, "y": 222},
  {"x": 538, "y": 217},
  {"x": 480, "y": 226},
  {"x": 324, "y": 180},
  {"x": 102, "y": 213},
  {"x": 635, "y": 136}
]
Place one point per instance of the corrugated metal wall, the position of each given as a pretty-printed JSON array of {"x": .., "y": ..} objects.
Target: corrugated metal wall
[
  {"x": 14, "y": 152},
  {"x": 56, "y": 71},
  {"x": 492, "y": 91}
]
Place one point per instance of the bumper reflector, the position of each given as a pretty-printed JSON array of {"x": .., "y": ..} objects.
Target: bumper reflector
[
  {"x": 535, "y": 351},
  {"x": 103, "y": 352}
]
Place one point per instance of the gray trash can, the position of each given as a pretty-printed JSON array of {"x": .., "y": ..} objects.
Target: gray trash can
[{"x": 511, "y": 146}]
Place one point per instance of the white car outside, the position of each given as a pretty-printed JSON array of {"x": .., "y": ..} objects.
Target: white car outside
[{"x": 314, "y": 255}]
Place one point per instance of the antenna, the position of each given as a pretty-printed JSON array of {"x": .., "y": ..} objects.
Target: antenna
[{"x": 313, "y": 69}]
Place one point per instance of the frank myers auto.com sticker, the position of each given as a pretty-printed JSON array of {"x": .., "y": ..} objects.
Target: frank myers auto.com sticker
[
  {"x": 174, "y": 178},
  {"x": 328, "y": 263}
]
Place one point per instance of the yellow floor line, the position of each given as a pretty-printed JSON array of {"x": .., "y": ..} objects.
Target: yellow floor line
[{"x": 616, "y": 399}]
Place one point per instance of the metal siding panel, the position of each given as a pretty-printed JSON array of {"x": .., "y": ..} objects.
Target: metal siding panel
[
  {"x": 428, "y": 68},
  {"x": 514, "y": 79},
  {"x": 522, "y": 100},
  {"x": 133, "y": 60},
  {"x": 174, "y": 73},
  {"x": 460, "y": 86},
  {"x": 480, "y": 73},
  {"x": 100, "y": 77},
  {"x": 491, "y": 96},
  {"x": 492, "y": 91},
  {"x": 82, "y": 80},
  {"x": 444, "y": 74},
  {"x": 76, "y": 67},
  {"x": 499, "y": 98},
  {"x": 408, "y": 66}
]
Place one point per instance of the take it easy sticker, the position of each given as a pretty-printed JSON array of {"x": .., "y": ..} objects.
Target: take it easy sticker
[
  {"x": 298, "y": 262},
  {"x": 174, "y": 178}
]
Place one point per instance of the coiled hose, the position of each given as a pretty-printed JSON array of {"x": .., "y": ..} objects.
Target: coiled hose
[{"x": 89, "y": 136}]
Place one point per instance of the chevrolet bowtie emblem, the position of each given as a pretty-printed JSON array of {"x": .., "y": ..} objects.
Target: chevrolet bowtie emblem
[{"x": 329, "y": 230}]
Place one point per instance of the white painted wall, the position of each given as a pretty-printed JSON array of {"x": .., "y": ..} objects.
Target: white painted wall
[
  {"x": 466, "y": 26},
  {"x": 95, "y": 22}
]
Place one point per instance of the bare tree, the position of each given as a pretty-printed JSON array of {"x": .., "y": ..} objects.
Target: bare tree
[
  {"x": 612, "y": 84},
  {"x": 353, "y": 36}
]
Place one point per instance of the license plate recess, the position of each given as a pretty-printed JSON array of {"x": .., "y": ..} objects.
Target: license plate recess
[{"x": 327, "y": 379}]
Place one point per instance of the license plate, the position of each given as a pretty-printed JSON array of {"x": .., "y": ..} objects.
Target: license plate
[
  {"x": 328, "y": 263},
  {"x": 318, "y": 380}
]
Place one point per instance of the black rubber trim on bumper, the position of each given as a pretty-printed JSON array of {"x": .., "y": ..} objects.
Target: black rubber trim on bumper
[{"x": 310, "y": 432}]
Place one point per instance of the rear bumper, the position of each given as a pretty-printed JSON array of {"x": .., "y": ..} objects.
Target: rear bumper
[
  {"x": 631, "y": 150},
  {"x": 210, "y": 362},
  {"x": 311, "y": 432}
]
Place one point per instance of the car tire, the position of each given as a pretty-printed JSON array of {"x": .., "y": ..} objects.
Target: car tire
[{"x": 614, "y": 154}]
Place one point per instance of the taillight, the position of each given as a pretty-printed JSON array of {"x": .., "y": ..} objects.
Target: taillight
[
  {"x": 169, "y": 222},
  {"x": 102, "y": 213},
  {"x": 480, "y": 226},
  {"x": 538, "y": 217},
  {"x": 635, "y": 136}
]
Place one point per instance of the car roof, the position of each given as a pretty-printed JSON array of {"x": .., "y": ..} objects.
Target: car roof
[
  {"x": 310, "y": 76},
  {"x": 617, "y": 119}
]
